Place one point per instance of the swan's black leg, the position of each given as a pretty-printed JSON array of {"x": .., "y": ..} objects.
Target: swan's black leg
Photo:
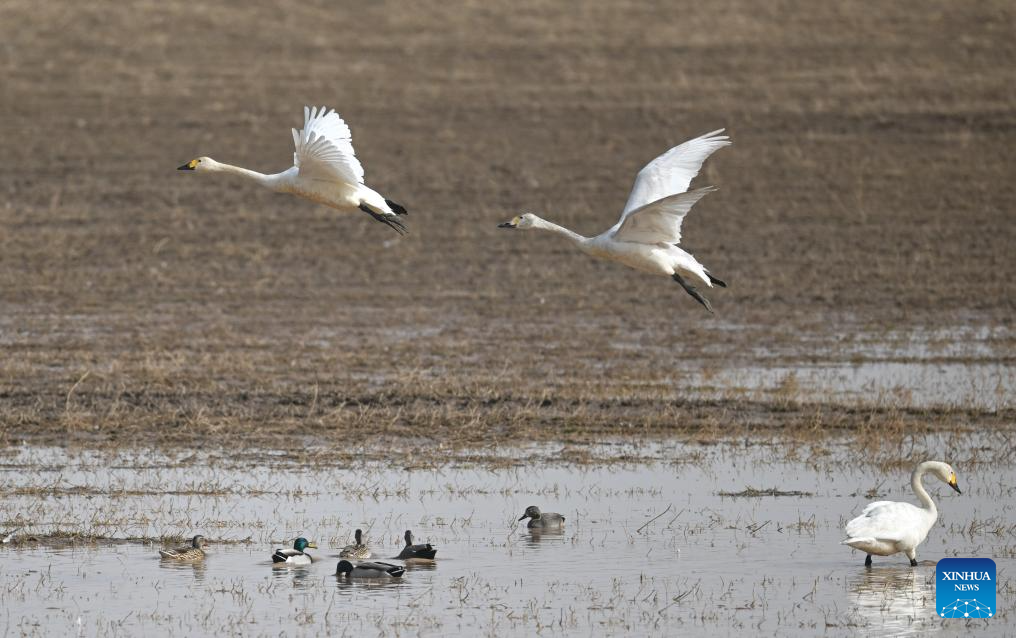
[
  {"x": 913, "y": 562},
  {"x": 393, "y": 222},
  {"x": 867, "y": 561},
  {"x": 688, "y": 288}
]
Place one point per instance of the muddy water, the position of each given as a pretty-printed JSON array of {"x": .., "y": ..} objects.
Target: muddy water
[{"x": 709, "y": 565}]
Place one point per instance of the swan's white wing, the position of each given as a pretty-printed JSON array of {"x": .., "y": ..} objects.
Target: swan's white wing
[
  {"x": 872, "y": 508},
  {"x": 660, "y": 221},
  {"x": 672, "y": 172},
  {"x": 887, "y": 520},
  {"x": 324, "y": 148}
]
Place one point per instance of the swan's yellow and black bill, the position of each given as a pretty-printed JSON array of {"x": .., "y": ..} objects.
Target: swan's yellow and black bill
[
  {"x": 189, "y": 166},
  {"x": 512, "y": 224},
  {"x": 954, "y": 484}
]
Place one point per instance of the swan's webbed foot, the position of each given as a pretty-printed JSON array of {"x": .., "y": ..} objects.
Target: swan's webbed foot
[
  {"x": 688, "y": 288},
  {"x": 867, "y": 561},
  {"x": 913, "y": 562}
]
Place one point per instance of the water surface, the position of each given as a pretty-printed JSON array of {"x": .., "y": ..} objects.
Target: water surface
[{"x": 709, "y": 565}]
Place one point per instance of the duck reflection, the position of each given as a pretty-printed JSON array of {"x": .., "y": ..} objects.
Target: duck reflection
[
  {"x": 421, "y": 565},
  {"x": 298, "y": 575},
  {"x": 195, "y": 568},
  {"x": 536, "y": 536}
]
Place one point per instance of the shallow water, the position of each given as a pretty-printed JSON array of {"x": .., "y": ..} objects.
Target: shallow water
[
  {"x": 956, "y": 367},
  {"x": 710, "y": 565},
  {"x": 985, "y": 386}
]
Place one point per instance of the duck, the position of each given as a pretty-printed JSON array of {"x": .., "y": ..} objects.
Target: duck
[
  {"x": 542, "y": 520},
  {"x": 358, "y": 550},
  {"x": 375, "y": 569},
  {"x": 885, "y": 528},
  {"x": 194, "y": 552},
  {"x": 421, "y": 551},
  {"x": 296, "y": 555},
  {"x": 325, "y": 170},
  {"x": 647, "y": 235}
]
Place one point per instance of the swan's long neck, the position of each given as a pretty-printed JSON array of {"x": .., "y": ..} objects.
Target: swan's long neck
[
  {"x": 267, "y": 181},
  {"x": 918, "y": 487},
  {"x": 576, "y": 238}
]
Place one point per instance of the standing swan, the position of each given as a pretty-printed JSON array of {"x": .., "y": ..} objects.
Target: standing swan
[
  {"x": 325, "y": 170},
  {"x": 887, "y": 527},
  {"x": 647, "y": 235}
]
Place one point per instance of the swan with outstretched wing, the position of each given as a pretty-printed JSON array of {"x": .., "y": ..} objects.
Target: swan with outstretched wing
[
  {"x": 325, "y": 170},
  {"x": 647, "y": 235}
]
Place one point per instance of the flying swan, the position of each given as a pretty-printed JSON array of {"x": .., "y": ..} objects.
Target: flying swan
[
  {"x": 325, "y": 170},
  {"x": 887, "y": 527},
  {"x": 647, "y": 235}
]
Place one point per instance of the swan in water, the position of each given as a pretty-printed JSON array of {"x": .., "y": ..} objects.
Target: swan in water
[
  {"x": 647, "y": 235},
  {"x": 887, "y": 527},
  {"x": 325, "y": 170}
]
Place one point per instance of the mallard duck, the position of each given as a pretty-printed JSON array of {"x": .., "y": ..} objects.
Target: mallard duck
[
  {"x": 423, "y": 550},
  {"x": 542, "y": 520},
  {"x": 369, "y": 570},
  {"x": 358, "y": 551},
  {"x": 194, "y": 552},
  {"x": 885, "y": 528},
  {"x": 295, "y": 556}
]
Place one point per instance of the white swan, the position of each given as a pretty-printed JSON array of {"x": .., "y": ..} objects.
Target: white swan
[
  {"x": 646, "y": 236},
  {"x": 325, "y": 170},
  {"x": 887, "y": 527}
]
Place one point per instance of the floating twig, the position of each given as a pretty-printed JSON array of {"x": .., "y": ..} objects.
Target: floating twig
[{"x": 639, "y": 530}]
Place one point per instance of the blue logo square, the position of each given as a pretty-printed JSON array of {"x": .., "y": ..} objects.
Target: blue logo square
[{"x": 965, "y": 588}]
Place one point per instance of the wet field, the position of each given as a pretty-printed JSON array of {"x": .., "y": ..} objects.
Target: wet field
[
  {"x": 863, "y": 222},
  {"x": 659, "y": 546},
  {"x": 193, "y": 355}
]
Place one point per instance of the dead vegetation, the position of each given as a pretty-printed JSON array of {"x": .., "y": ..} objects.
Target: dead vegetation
[
  {"x": 144, "y": 308},
  {"x": 751, "y": 492}
]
